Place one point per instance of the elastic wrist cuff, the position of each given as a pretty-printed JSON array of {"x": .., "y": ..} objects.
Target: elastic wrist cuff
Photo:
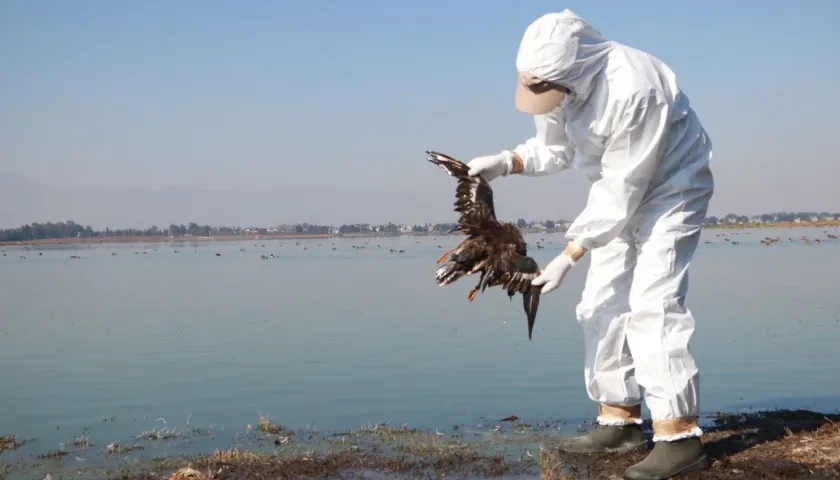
[
  {"x": 515, "y": 163},
  {"x": 574, "y": 251}
]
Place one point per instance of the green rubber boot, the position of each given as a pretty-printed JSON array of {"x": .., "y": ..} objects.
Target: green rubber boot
[
  {"x": 607, "y": 438},
  {"x": 668, "y": 459}
]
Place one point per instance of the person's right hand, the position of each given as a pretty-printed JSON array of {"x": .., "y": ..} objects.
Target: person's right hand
[{"x": 491, "y": 167}]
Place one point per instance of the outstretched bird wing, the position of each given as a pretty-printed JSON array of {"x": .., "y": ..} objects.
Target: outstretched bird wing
[{"x": 473, "y": 197}]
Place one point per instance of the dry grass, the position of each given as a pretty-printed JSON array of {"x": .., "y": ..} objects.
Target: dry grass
[
  {"x": 820, "y": 449},
  {"x": 115, "y": 448},
  {"x": 265, "y": 425},
  {"x": 10, "y": 442},
  {"x": 395, "y": 452},
  {"x": 423, "y": 461},
  {"x": 164, "y": 433},
  {"x": 53, "y": 454},
  {"x": 773, "y": 445},
  {"x": 383, "y": 431},
  {"x": 82, "y": 442},
  {"x": 433, "y": 446},
  {"x": 187, "y": 473}
]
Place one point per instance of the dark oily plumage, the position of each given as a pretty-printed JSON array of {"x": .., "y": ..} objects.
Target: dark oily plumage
[{"x": 493, "y": 249}]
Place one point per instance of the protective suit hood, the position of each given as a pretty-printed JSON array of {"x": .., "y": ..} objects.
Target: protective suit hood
[{"x": 563, "y": 48}]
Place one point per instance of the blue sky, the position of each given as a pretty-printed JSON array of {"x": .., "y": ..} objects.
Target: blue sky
[{"x": 333, "y": 103}]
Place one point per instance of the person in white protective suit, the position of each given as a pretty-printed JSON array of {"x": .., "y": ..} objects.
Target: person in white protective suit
[{"x": 645, "y": 151}]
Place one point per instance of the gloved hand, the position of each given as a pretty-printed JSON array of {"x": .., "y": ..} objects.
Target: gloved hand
[
  {"x": 554, "y": 273},
  {"x": 491, "y": 167}
]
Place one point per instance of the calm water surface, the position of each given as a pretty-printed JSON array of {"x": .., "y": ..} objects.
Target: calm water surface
[{"x": 339, "y": 338}]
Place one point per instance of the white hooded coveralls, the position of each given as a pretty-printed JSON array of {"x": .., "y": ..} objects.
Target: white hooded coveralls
[{"x": 647, "y": 155}]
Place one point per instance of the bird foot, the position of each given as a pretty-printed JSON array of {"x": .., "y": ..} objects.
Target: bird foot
[{"x": 472, "y": 294}]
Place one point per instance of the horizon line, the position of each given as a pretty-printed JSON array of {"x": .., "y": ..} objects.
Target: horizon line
[{"x": 797, "y": 215}]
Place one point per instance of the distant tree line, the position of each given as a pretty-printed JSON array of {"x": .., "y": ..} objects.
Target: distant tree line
[
  {"x": 772, "y": 217},
  {"x": 393, "y": 228},
  {"x": 549, "y": 224},
  {"x": 309, "y": 228},
  {"x": 71, "y": 229}
]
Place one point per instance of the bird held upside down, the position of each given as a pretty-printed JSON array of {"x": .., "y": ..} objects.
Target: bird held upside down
[{"x": 492, "y": 248}]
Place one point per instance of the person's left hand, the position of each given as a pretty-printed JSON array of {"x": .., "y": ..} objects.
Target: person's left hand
[
  {"x": 490, "y": 167},
  {"x": 554, "y": 273}
]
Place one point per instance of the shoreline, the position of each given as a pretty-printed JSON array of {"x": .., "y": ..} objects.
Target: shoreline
[
  {"x": 312, "y": 236},
  {"x": 163, "y": 239},
  {"x": 764, "y": 226},
  {"x": 757, "y": 444}
]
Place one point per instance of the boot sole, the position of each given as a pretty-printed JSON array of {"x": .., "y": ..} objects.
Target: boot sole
[
  {"x": 622, "y": 449},
  {"x": 701, "y": 463}
]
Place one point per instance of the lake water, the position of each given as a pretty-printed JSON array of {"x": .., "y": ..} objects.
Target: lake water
[{"x": 340, "y": 338}]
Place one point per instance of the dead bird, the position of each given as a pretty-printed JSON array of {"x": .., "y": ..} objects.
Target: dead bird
[{"x": 492, "y": 248}]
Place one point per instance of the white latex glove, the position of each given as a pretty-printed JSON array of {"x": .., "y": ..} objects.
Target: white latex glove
[
  {"x": 553, "y": 274},
  {"x": 491, "y": 167}
]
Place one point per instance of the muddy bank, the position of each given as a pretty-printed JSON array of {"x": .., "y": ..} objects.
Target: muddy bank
[
  {"x": 774, "y": 445},
  {"x": 272, "y": 451},
  {"x": 766, "y": 445}
]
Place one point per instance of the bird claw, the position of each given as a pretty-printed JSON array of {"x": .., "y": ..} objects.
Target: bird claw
[{"x": 472, "y": 294}]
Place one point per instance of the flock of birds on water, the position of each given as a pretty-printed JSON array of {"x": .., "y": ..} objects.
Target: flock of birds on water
[
  {"x": 539, "y": 244},
  {"x": 491, "y": 249},
  {"x": 146, "y": 249},
  {"x": 770, "y": 241}
]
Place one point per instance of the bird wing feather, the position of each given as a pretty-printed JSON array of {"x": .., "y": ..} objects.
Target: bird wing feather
[
  {"x": 473, "y": 198},
  {"x": 516, "y": 270}
]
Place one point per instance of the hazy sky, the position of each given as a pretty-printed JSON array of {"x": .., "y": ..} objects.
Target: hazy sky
[{"x": 321, "y": 110}]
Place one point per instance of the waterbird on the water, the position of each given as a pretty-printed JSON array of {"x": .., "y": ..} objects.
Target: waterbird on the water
[{"x": 492, "y": 248}]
